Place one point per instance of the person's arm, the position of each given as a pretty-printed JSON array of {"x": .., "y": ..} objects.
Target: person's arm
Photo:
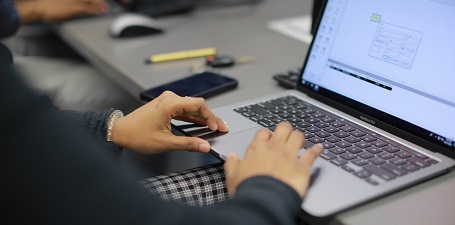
[
  {"x": 55, "y": 175},
  {"x": 32, "y": 11},
  {"x": 9, "y": 19}
]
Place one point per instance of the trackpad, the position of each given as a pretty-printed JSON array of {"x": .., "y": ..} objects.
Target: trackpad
[{"x": 233, "y": 143}]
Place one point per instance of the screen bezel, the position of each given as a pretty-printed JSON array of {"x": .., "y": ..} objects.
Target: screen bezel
[{"x": 384, "y": 121}]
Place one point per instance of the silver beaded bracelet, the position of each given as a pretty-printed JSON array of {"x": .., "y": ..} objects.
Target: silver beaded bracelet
[{"x": 110, "y": 123}]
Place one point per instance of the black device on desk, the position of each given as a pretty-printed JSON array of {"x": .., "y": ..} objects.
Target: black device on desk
[
  {"x": 157, "y": 7},
  {"x": 205, "y": 84}
]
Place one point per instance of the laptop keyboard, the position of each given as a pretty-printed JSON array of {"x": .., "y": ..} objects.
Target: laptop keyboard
[{"x": 359, "y": 151}]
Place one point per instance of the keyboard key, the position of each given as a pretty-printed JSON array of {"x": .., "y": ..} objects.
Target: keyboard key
[
  {"x": 398, "y": 161},
  {"x": 337, "y": 124},
  {"x": 303, "y": 125},
  {"x": 432, "y": 161},
  {"x": 384, "y": 174},
  {"x": 410, "y": 167},
  {"x": 318, "y": 115},
  {"x": 362, "y": 174},
  {"x": 302, "y": 116},
  {"x": 276, "y": 111},
  {"x": 316, "y": 140},
  {"x": 277, "y": 120},
  {"x": 309, "y": 111},
  {"x": 347, "y": 128},
  {"x": 294, "y": 111},
  {"x": 362, "y": 144},
  {"x": 394, "y": 169},
  {"x": 308, "y": 135},
  {"x": 347, "y": 168},
  {"x": 341, "y": 134},
  {"x": 327, "y": 119},
  {"x": 256, "y": 118},
  {"x": 321, "y": 124},
  {"x": 354, "y": 149},
  {"x": 371, "y": 181},
  {"x": 376, "y": 161},
  {"x": 241, "y": 109},
  {"x": 368, "y": 138},
  {"x": 266, "y": 105},
  {"x": 331, "y": 129},
  {"x": 403, "y": 154},
  {"x": 421, "y": 156},
  {"x": 351, "y": 139},
  {"x": 248, "y": 114},
  {"x": 258, "y": 110},
  {"x": 339, "y": 161},
  {"x": 379, "y": 143},
  {"x": 270, "y": 116},
  {"x": 332, "y": 139},
  {"x": 374, "y": 150},
  {"x": 418, "y": 162},
  {"x": 386, "y": 155},
  {"x": 293, "y": 120},
  {"x": 390, "y": 149},
  {"x": 313, "y": 129},
  {"x": 359, "y": 162},
  {"x": 348, "y": 156},
  {"x": 312, "y": 120},
  {"x": 337, "y": 151},
  {"x": 285, "y": 115},
  {"x": 328, "y": 145},
  {"x": 343, "y": 144},
  {"x": 357, "y": 133},
  {"x": 322, "y": 134},
  {"x": 327, "y": 155},
  {"x": 365, "y": 155},
  {"x": 285, "y": 107},
  {"x": 266, "y": 123}
]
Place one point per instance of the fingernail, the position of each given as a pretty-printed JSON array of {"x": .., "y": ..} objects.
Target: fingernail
[{"x": 204, "y": 147}]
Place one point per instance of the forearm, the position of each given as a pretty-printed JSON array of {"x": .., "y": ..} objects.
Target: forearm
[
  {"x": 92, "y": 124},
  {"x": 9, "y": 19},
  {"x": 264, "y": 199}
]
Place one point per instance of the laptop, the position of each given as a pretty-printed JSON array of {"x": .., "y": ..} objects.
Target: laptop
[{"x": 376, "y": 88}]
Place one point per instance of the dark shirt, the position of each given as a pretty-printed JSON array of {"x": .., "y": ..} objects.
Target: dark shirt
[
  {"x": 9, "y": 19},
  {"x": 52, "y": 173}
]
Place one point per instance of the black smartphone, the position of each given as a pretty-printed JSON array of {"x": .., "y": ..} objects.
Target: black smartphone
[{"x": 205, "y": 84}]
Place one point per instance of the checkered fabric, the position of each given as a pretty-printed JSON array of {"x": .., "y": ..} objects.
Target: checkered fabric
[{"x": 201, "y": 186}]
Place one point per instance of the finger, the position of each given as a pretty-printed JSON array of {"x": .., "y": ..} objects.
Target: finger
[
  {"x": 310, "y": 155},
  {"x": 197, "y": 107},
  {"x": 230, "y": 166},
  {"x": 295, "y": 140},
  {"x": 193, "y": 144},
  {"x": 262, "y": 135},
  {"x": 232, "y": 161},
  {"x": 281, "y": 132}
]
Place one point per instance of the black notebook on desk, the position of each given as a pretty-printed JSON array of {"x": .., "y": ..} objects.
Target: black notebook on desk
[{"x": 376, "y": 90}]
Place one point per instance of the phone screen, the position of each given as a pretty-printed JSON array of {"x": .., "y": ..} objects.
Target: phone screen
[{"x": 199, "y": 85}]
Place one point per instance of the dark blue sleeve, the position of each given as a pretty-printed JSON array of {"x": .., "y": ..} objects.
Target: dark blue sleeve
[
  {"x": 53, "y": 174},
  {"x": 9, "y": 19}
]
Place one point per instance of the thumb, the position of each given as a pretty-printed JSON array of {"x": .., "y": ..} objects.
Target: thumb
[
  {"x": 230, "y": 166},
  {"x": 232, "y": 161},
  {"x": 310, "y": 155},
  {"x": 193, "y": 144}
]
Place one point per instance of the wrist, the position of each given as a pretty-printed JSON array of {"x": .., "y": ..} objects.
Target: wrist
[
  {"x": 112, "y": 121},
  {"x": 28, "y": 11}
]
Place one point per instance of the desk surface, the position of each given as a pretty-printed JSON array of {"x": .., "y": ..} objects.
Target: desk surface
[{"x": 242, "y": 31}]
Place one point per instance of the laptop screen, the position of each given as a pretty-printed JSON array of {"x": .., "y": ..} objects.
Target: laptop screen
[{"x": 393, "y": 59}]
